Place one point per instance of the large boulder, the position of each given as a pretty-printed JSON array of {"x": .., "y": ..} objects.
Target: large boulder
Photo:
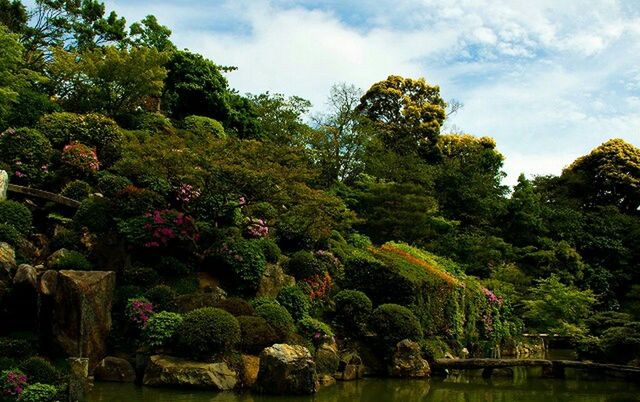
[
  {"x": 273, "y": 280},
  {"x": 250, "y": 368},
  {"x": 407, "y": 361},
  {"x": 350, "y": 367},
  {"x": 327, "y": 363},
  {"x": 80, "y": 311},
  {"x": 55, "y": 257},
  {"x": 114, "y": 369},
  {"x": 287, "y": 370},
  {"x": 7, "y": 260},
  {"x": 172, "y": 371},
  {"x": 27, "y": 276},
  {"x": 4, "y": 184}
]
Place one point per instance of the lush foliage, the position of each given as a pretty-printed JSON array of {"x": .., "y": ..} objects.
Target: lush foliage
[
  {"x": 39, "y": 393},
  {"x": 353, "y": 309},
  {"x": 207, "y": 331},
  {"x": 393, "y": 323},
  {"x": 161, "y": 328},
  {"x": 17, "y": 215}
]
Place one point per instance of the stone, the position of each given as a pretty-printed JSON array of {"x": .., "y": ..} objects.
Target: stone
[
  {"x": 7, "y": 260},
  {"x": 53, "y": 258},
  {"x": 48, "y": 283},
  {"x": 173, "y": 371},
  {"x": 327, "y": 359},
  {"x": 287, "y": 370},
  {"x": 79, "y": 384},
  {"x": 407, "y": 361},
  {"x": 114, "y": 369},
  {"x": 81, "y": 312},
  {"x": 250, "y": 368},
  {"x": 325, "y": 380},
  {"x": 273, "y": 280},
  {"x": 350, "y": 367},
  {"x": 4, "y": 184},
  {"x": 26, "y": 275}
]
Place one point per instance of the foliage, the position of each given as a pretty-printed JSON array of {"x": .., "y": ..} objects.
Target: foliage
[
  {"x": 79, "y": 159},
  {"x": 95, "y": 214},
  {"x": 18, "y": 348},
  {"x": 139, "y": 311},
  {"x": 394, "y": 323},
  {"x": 26, "y": 153},
  {"x": 270, "y": 250},
  {"x": 9, "y": 234},
  {"x": 353, "y": 309},
  {"x": 295, "y": 301},
  {"x": 204, "y": 126},
  {"x": 162, "y": 297},
  {"x": 280, "y": 119},
  {"x": 314, "y": 330},
  {"x": 161, "y": 328},
  {"x": 73, "y": 260},
  {"x": 158, "y": 229},
  {"x": 39, "y": 393},
  {"x": 304, "y": 264},
  {"x": 76, "y": 190},
  {"x": 257, "y": 334},
  {"x": 111, "y": 185},
  {"x": 246, "y": 262},
  {"x": 40, "y": 370},
  {"x": 208, "y": 331},
  {"x": 235, "y": 306},
  {"x": 17, "y": 215},
  {"x": 12, "y": 383},
  {"x": 278, "y": 317}
]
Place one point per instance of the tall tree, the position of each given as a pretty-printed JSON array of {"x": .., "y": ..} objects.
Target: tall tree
[{"x": 280, "y": 119}]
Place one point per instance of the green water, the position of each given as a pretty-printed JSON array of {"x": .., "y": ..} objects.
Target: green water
[{"x": 467, "y": 389}]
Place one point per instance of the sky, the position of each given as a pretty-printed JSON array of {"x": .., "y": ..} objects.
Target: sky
[{"x": 549, "y": 80}]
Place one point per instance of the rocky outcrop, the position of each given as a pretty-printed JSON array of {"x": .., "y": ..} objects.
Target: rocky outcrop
[
  {"x": 273, "y": 280},
  {"x": 250, "y": 368},
  {"x": 327, "y": 363},
  {"x": 7, "y": 260},
  {"x": 287, "y": 370},
  {"x": 407, "y": 361},
  {"x": 114, "y": 369},
  {"x": 350, "y": 367},
  {"x": 27, "y": 276},
  {"x": 55, "y": 257},
  {"x": 80, "y": 303},
  {"x": 172, "y": 371}
]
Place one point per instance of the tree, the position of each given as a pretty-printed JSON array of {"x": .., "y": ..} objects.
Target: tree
[
  {"x": 280, "y": 119},
  {"x": 523, "y": 222},
  {"x": 408, "y": 113},
  {"x": 150, "y": 33},
  {"x": 13, "y": 14},
  {"x": 107, "y": 80},
  {"x": 10, "y": 62},
  {"x": 341, "y": 137}
]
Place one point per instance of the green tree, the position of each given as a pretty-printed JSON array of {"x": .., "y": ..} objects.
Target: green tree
[
  {"x": 523, "y": 222},
  {"x": 150, "y": 33},
  {"x": 10, "y": 61},
  {"x": 280, "y": 119},
  {"x": 13, "y": 14}
]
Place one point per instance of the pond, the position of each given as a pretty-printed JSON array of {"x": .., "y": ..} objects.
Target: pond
[{"x": 462, "y": 389}]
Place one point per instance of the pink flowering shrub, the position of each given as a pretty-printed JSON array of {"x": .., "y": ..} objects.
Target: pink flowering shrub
[
  {"x": 187, "y": 193},
  {"x": 139, "y": 311},
  {"x": 159, "y": 229},
  {"x": 257, "y": 228},
  {"x": 13, "y": 382},
  {"x": 491, "y": 297},
  {"x": 26, "y": 154},
  {"x": 80, "y": 158}
]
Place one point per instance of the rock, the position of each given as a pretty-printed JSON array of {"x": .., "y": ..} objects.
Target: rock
[
  {"x": 79, "y": 384},
  {"x": 327, "y": 359},
  {"x": 287, "y": 370},
  {"x": 407, "y": 361},
  {"x": 250, "y": 368},
  {"x": 350, "y": 367},
  {"x": 4, "y": 184},
  {"x": 114, "y": 369},
  {"x": 26, "y": 275},
  {"x": 53, "y": 258},
  {"x": 273, "y": 280},
  {"x": 48, "y": 282},
  {"x": 448, "y": 355},
  {"x": 7, "y": 260},
  {"x": 325, "y": 380},
  {"x": 172, "y": 371},
  {"x": 81, "y": 316}
]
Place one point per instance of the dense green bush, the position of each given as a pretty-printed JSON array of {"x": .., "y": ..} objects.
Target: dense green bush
[
  {"x": 17, "y": 215},
  {"x": 204, "y": 127},
  {"x": 96, "y": 214},
  {"x": 257, "y": 334},
  {"x": 278, "y": 317},
  {"x": 76, "y": 190},
  {"x": 303, "y": 264},
  {"x": 151, "y": 122},
  {"x": 73, "y": 260},
  {"x": 393, "y": 323},
  {"x": 39, "y": 393},
  {"x": 246, "y": 262},
  {"x": 18, "y": 348},
  {"x": 26, "y": 152},
  {"x": 142, "y": 276},
  {"x": 353, "y": 310},
  {"x": 259, "y": 301},
  {"x": 314, "y": 330},
  {"x": 295, "y": 301},
  {"x": 162, "y": 297},
  {"x": 161, "y": 329},
  {"x": 173, "y": 267},
  {"x": 235, "y": 306},
  {"x": 193, "y": 301},
  {"x": 270, "y": 250},
  {"x": 134, "y": 201},
  {"x": 9, "y": 234},
  {"x": 40, "y": 370},
  {"x": 110, "y": 184},
  {"x": 208, "y": 331}
]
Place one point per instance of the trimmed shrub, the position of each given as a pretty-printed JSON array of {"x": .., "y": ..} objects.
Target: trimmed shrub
[
  {"x": 270, "y": 250},
  {"x": 66, "y": 238},
  {"x": 193, "y": 301},
  {"x": 259, "y": 301},
  {"x": 235, "y": 306},
  {"x": 151, "y": 122},
  {"x": 95, "y": 213},
  {"x": 144, "y": 277},
  {"x": 208, "y": 331},
  {"x": 72, "y": 260},
  {"x": 17, "y": 215},
  {"x": 303, "y": 265},
  {"x": 40, "y": 370},
  {"x": 134, "y": 201},
  {"x": 353, "y": 309},
  {"x": 162, "y": 297},
  {"x": 314, "y": 330},
  {"x": 295, "y": 301},
  {"x": 39, "y": 393},
  {"x": 278, "y": 317},
  {"x": 204, "y": 127},
  {"x": 257, "y": 334},
  {"x": 161, "y": 328},
  {"x": 9, "y": 234},
  {"x": 393, "y": 323},
  {"x": 76, "y": 190},
  {"x": 246, "y": 262},
  {"x": 173, "y": 267},
  {"x": 79, "y": 160},
  {"x": 26, "y": 152},
  {"x": 110, "y": 184}
]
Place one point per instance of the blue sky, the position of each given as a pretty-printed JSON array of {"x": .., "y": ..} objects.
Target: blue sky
[{"x": 549, "y": 80}]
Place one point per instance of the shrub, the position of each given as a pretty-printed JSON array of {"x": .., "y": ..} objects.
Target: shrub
[
  {"x": 159, "y": 229},
  {"x": 259, "y": 301},
  {"x": 270, "y": 250},
  {"x": 7, "y": 363},
  {"x": 79, "y": 160},
  {"x": 12, "y": 383},
  {"x": 208, "y": 331},
  {"x": 39, "y": 393},
  {"x": 151, "y": 122},
  {"x": 278, "y": 317},
  {"x": 134, "y": 201},
  {"x": 161, "y": 328},
  {"x": 9, "y": 234},
  {"x": 314, "y": 330},
  {"x": 359, "y": 241},
  {"x": 295, "y": 301},
  {"x": 173, "y": 267},
  {"x": 246, "y": 262},
  {"x": 204, "y": 127},
  {"x": 622, "y": 344},
  {"x": 257, "y": 334},
  {"x": 27, "y": 152},
  {"x": 18, "y": 348},
  {"x": 394, "y": 323},
  {"x": 193, "y": 301},
  {"x": 95, "y": 214},
  {"x": 110, "y": 184},
  {"x": 144, "y": 277},
  {"x": 303, "y": 264},
  {"x": 139, "y": 310},
  {"x": 66, "y": 238},
  {"x": 235, "y": 306},
  {"x": 76, "y": 190},
  {"x": 40, "y": 370},
  {"x": 17, "y": 215},
  {"x": 162, "y": 297},
  {"x": 72, "y": 260},
  {"x": 353, "y": 309}
]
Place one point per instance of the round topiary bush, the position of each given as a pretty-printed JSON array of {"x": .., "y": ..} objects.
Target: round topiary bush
[
  {"x": 353, "y": 310},
  {"x": 259, "y": 301},
  {"x": 295, "y": 301},
  {"x": 204, "y": 127},
  {"x": 161, "y": 328},
  {"x": 257, "y": 334},
  {"x": 76, "y": 190},
  {"x": 95, "y": 213},
  {"x": 73, "y": 260},
  {"x": 303, "y": 265},
  {"x": 394, "y": 323},
  {"x": 27, "y": 152},
  {"x": 9, "y": 234},
  {"x": 314, "y": 330},
  {"x": 278, "y": 317},
  {"x": 270, "y": 250},
  {"x": 142, "y": 276},
  {"x": 39, "y": 393},
  {"x": 207, "y": 331},
  {"x": 245, "y": 260},
  {"x": 79, "y": 160},
  {"x": 17, "y": 215},
  {"x": 40, "y": 370},
  {"x": 111, "y": 185},
  {"x": 162, "y": 297},
  {"x": 235, "y": 306}
]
